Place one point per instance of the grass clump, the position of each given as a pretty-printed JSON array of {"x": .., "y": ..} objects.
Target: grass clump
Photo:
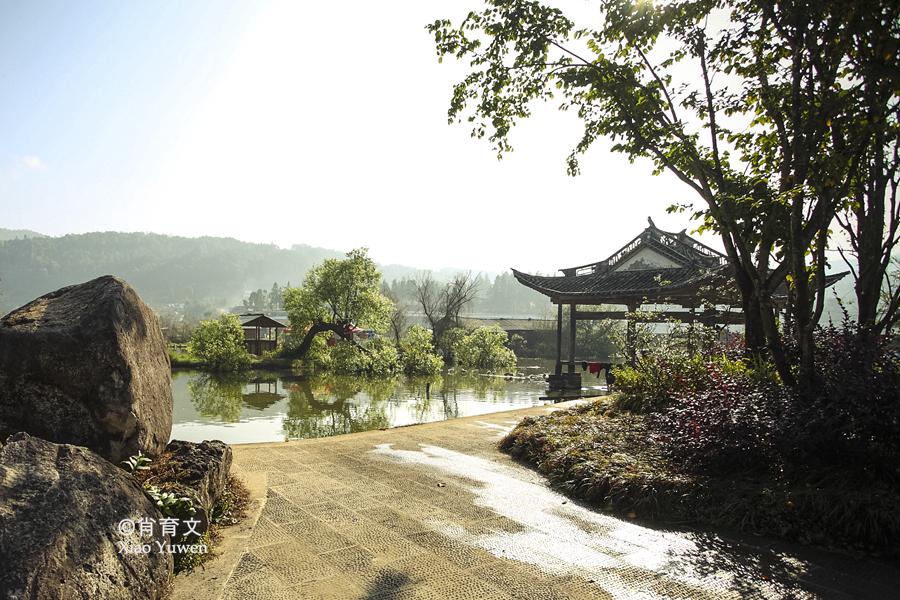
[
  {"x": 604, "y": 457},
  {"x": 159, "y": 479}
]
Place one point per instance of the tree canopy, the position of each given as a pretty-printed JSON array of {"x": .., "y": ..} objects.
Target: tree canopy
[
  {"x": 220, "y": 344},
  {"x": 337, "y": 295},
  {"x": 779, "y": 116}
]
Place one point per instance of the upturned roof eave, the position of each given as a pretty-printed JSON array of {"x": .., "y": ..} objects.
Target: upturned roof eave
[{"x": 557, "y": 295}]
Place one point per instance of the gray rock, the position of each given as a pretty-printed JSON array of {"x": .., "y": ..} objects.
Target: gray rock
[
  {"x": 87, "y": 365},
  {"x": 60, "y": 506},
  {"x": 199, "y": 471}
]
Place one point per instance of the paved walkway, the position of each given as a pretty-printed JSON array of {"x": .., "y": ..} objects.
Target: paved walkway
[{"x": 436, "y": 512}]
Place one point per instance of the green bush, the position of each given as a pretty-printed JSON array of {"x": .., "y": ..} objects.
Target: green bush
[
  {"x": 380, "y": 358},
  {"x": 417, "y": 356},
  {"x": 658, "y": 378},
  {"x": 182, "y": 358},
  {"x": 485, "y": 348},
  {"x": 220, "y": 344},
  {"x": 383, "y": 357},
  {"x": 345, "y": 359}
]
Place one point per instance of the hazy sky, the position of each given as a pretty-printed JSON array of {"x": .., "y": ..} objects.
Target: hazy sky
[{"x": 292, "y": 122}]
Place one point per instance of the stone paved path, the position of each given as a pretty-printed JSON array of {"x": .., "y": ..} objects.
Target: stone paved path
[{"x": 436, "y": 512}]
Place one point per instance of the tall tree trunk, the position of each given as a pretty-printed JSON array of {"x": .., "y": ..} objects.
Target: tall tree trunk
[
  {"x": 774, "y": 343},
  {"x": 316, "y": 329},
  {"x": 754, "y": 335},
  {"x": 761, "y": 335},
  {"x": 872, "y": 261}
]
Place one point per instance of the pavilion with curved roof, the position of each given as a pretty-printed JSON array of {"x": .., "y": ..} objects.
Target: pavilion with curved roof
[{"x": 656, "y": 267}]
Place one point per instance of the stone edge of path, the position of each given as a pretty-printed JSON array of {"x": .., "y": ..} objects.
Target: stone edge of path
[
  {"x": 519, "y": 413},
  {"x": 208, "y": 580}
]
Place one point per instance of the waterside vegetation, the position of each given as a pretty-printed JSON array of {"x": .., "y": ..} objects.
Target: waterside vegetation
[
  {"x": 712, "y": 440},
  {"x": 343, "y": 321}
]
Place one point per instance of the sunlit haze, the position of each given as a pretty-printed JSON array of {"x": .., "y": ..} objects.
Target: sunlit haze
[{"x": 293, "y": 123}]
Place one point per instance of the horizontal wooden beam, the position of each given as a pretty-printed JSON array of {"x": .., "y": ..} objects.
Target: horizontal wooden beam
[{"x": 683, "y": 316}]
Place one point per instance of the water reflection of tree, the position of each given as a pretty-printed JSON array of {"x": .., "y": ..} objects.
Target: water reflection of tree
[
  {"x": 326, "y": 405},
  {"x": 216, "y": 395},
  {"x": 321, "y": 405},
  {"x": 480, "y": 386},
  {"x": 446, "y": 390},
  {"x": 425, "y": 392}
]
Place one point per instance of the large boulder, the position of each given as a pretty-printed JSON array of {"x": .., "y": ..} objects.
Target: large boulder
[
  {"x": 60, "y": 536},
  {"x": 87, "y": 365}
]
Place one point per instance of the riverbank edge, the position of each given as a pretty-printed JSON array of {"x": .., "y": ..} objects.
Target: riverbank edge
[
  {"x": 263, "y": 364},
  {"x": 603, "y": 458}
]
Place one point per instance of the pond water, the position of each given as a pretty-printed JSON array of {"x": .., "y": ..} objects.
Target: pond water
[{"x": 264, "y": 406}]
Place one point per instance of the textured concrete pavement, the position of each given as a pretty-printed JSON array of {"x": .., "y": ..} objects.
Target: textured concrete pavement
[{"x": 436, "y": 512}]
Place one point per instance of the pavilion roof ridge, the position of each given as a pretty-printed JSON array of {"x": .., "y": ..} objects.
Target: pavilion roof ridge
[{"x": 680, "y": 247}]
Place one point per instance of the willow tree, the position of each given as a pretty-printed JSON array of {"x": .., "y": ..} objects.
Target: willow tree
[
  {"x": 336, "y": 296},
  {"x": 735, "y": 98}
]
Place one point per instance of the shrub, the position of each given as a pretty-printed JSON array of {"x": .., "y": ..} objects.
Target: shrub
[
  {"x": 485, "y": 348},
  {"x": 417, "y": 356},
  {"x": 383, "y": 357},
  {"x": 727, "y": 443},
  {"x": 346, "y": 359},
  {"x": 380, "y": 357},
  {"x": 220, "y": 344},
  {"x": 447, "y": 344},
  {"x": 657, "y": 379},
  {"x": 730, "y": 426},
  {"x": 853, "y": 418}
]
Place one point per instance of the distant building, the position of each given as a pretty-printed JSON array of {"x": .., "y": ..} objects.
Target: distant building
[
  {"x": 538, "y": 335},
  {"x": 260, "y": 332}
]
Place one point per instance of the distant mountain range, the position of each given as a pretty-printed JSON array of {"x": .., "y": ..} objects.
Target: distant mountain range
[
  {"x": 12, "y": 234},
  {"x": 215, "y": 272},
  {"x": 164, "y": 269}
]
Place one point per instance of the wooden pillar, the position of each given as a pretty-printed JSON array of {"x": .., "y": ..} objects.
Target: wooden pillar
[
  {"x": 631, "y": 335},
  {"x": 571, "y": 338},
  {"x": 691, "y": 333},
  {"x": 559, "y": 339}
]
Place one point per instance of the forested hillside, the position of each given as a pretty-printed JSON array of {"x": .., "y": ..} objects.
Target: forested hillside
[
  {"x": 209, "y": 273},
  {"x": 203, "y": 273},
  {"x": 164, "y": 269},
  {"x": 11, "y": 234}
]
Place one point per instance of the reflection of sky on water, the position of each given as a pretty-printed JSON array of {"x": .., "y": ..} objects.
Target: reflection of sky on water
[{"x": 264, "y": 407}]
